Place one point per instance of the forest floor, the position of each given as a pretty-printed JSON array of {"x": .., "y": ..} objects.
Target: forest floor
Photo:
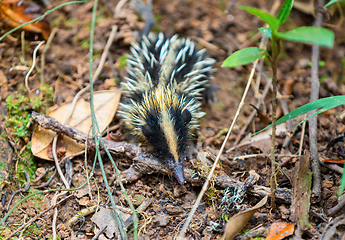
[{"x": 222, "y": 30}]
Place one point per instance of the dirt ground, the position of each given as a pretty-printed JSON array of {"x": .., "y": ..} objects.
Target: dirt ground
[{"x": 221, "y": 29}]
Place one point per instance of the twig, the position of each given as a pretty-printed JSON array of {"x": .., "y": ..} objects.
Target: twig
[
  {"x": 142, "y": 208},
  {"x": 105, "y": 53},
  {"x": 99, "y": 233},
  {"x": 47, "y": 182},
  {"x": 42, "y": 175},
  {"x": 32, "y": 67},
  {"x": 130, "y": 150},
  {"x": 84, "y": 212},
  {"x": 333, "y": 167},
  {"x": 22, "y": 38},
  {"x": 35, "y": 218},
  {"x": 334, "y": 210},
  {"x": 318, "y": 215},
  {"x": 43, "y": 55},
  {"x": 57, "y": 165},
  {"x": 24, "y": 223},
  {"x": 330, "y": 228},
  {"x": 25, "y": 189},
  {"x": 252, "y": 115},
  {"x": 48, "y": 122},
  {"x": 261, "y": 155},
  {"x": 86, "y": 172},
  {"x": 273, "y": 181},
  {"x": 118, "y": 7},
  {"x": 302, "y": 139},
  {"x": 55, "y": 213},
  {"x": 314, "y": 95}
]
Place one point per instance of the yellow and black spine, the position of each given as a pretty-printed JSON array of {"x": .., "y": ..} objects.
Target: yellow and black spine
[{"x": 167, "y": 79}]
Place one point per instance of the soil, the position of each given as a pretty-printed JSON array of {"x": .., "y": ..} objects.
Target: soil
[{"x": 222, "y": 30}]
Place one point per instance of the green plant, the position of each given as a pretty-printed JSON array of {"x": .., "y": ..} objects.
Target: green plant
[
  {"x": 122, "y": 62},
  {"x": 17, "y": 121},
  {"x": 71, "y": 22},
  {"x": 19, "y": 106},
  {"x": 304, "y": 34}
]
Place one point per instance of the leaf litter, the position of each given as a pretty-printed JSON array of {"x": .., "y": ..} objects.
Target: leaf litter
[
  {"x": 224, "y": 32},
  {"x": 105, "y": 102}
]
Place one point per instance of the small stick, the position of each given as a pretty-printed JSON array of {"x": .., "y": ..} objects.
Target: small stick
[
  {"x": 46, "y": 184},
  {"x": 334, "y": 210},
  {"x": 48, "y": 122},
  {"x": 43, "y": 55},
  {"x": 302, "y": 139},
  {"x": 314, "y": 95},
  {"x": 32, "y": 67},
  {"x": 25, "y": 189},
  {"x": 55, "y": 213},
  {"x": 99, "y": 233},
  {"x": 143, "y": 206}
]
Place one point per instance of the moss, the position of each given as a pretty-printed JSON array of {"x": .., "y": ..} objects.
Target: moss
[
  {"x": 18, "y": 120},
  {"x": 69, "y": 23},
  {"x": 19, "y": 107},
  {"x": 122, "y": 62}
]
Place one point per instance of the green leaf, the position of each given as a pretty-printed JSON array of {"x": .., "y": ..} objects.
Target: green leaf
[
  {"x": 321, "y": 36},
  {"x": 342, "y": 184},
  {"x": 331, "y": 2},
  {"x": 272, "y": 21},
  {"x": 266, "y": 31},
  {"x": 243, "y": 57},
  {"x": 285, "y": 11},
  {"x": 325, "y": 104}
]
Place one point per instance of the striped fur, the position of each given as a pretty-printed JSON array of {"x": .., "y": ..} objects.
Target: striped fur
[{"x": 166, "y": 79}]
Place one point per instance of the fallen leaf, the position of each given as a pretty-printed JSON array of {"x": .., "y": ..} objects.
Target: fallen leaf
[
  {"x": 105, "y": 102},
  {"x": 16, "y": 12},
  {"x": 237, "y": 222},
  {"x": 105, "y": 218},
  {"x": 280, "y": 230},
  {"x": 3, "y": 86}
]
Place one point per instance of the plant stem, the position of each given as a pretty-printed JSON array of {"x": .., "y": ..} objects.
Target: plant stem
[
  {"x": 273, "y": 180},
  {"x": 314, "y": 95}
]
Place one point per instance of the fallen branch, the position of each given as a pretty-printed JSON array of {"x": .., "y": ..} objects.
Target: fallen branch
[
  {"x": 48, "y": 122},
  {"x": 146, "y": 163},
  {"x": 314, "y": 95},
  {"x": 25, "y": 189}
]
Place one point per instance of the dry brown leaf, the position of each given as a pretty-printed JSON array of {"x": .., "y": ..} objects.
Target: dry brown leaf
[
  {"x": 3, "y": 86},
  {"x": 105, "y": 102},
  {"x": 16, "y": 12},
  {"x": 105, "y": 218},
  {"x": 280, "y": 230},
  {"x": 237, "y": 222}
]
